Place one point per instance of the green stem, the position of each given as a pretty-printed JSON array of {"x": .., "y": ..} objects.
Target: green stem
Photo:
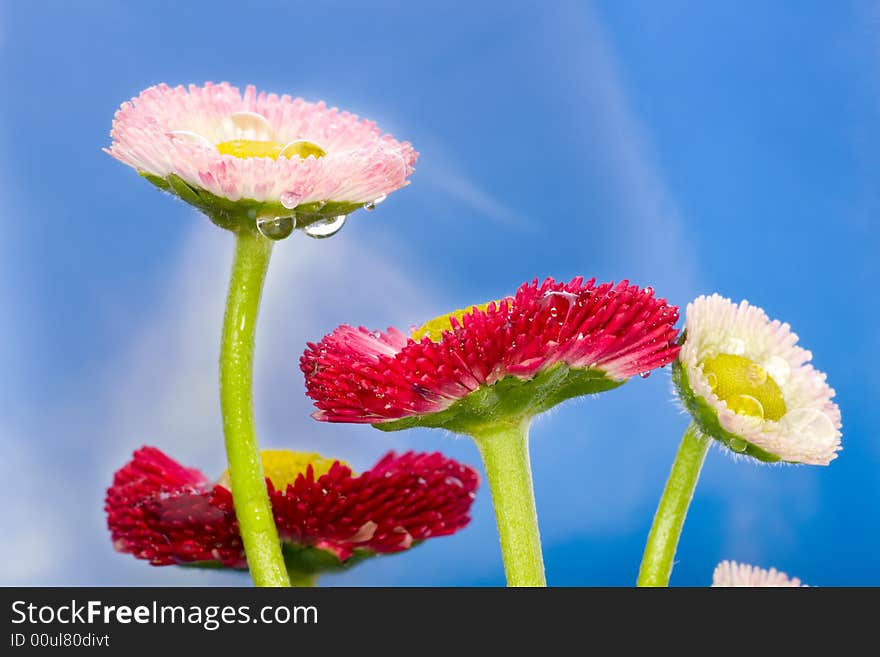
[
  {"x": 304, "y": 580},
  {"x": 252, "y": 508},
  {"x": 671, "y": 512},
  {"x": 505, "y": 452}
]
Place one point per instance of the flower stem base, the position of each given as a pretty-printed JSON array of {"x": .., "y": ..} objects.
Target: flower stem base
[{"x": 505, "y": 452}]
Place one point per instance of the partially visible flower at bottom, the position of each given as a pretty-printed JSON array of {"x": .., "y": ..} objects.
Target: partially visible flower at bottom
[
  {"x": 327, "y": 517},
  {"x": 730, "y": 574}
]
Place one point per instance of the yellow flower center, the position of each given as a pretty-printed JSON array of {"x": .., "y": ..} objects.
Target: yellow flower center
[
  {"x": 283, "y": 466},
  {"x": 436, "y": 327},
  {"x": 244, "y": 148},
  {"x": 745, "y": 386}
]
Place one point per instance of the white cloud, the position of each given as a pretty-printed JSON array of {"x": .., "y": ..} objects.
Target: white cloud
[
  {"x": 452, "y": 183},
  {"x": 38, "y": 527},
  {"x": 647, "y": 218}
]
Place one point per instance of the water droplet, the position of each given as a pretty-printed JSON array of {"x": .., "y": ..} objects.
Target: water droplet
[
  {"x": 644, "y": 375},
  {"x": 369, "y": 206},
  {"x": 302, "y": 149},
  {"x": 746, "y": 405},
  {"x": 738, "y": 445},
  {"x": 192, "y": 138},
  {"x": 556, "y": 294},
  {"x": 554, "y": 311},
  {"x": 249, "y": 125},
  {"x": 735, "y": 346},
  {"x": 325, "y": 227},
  {"x": 809, "y": 424},
  {"x": 276, "y": 228},
  {"x": 712, "y": 380},
  {"x": 756, "y": 375},
  {"x": 290, "y": 199},
  {"x": 779, "y": 369}
]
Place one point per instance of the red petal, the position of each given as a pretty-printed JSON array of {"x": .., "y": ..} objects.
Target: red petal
[
  {"x": 355, "y": 375},
  {"x": 165, "y": 513}
]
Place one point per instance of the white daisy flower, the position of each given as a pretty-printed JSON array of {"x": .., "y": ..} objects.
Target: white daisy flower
[
  {"x": 730, "y": 574},
  {"x": 747, "y": 384}
]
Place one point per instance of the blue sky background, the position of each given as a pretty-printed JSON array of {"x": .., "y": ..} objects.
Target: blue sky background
[{"x": 696, "y": 147}]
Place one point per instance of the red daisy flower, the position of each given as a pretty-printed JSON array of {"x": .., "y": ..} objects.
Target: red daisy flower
[
  {"x": 327, "y": 517},
  {"x": 512, "y": 358}
]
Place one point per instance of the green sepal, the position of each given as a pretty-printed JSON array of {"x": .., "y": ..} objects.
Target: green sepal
[
  {"x": 706, "y": 418},
  {"x": 242, "y": 214},
  {"x": 306, "y": 560},
  {"x": 510, "y": 401},
  {"x": 316, "y": 561}
]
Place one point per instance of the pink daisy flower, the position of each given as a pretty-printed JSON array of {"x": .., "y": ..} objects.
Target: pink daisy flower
[
  {"x": 281, "y": 162},
  {"x": 729, "y": 574},
  {"x": 327, "y": 517},
  {"x": 515, "y": 357}
]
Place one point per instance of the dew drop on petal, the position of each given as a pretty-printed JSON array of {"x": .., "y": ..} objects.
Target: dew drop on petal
[
  {"x": 290, "y": 199},
  {"x": 249, "y": 125},
  {"x": 756, "y": 375},
  {"x": 192, "y": 138},
  {"x": 302, "y": 149},
  {"x": 746, "y": 405},
  {"x": 809, "y": 424},
  {"x": 645, "y": 375},
  {"x": 778, "y": 369},
  {"x": 369, "y": 206},
  {"x": 276, "y": 228},
  {"x": 738, "y": 445},
  {"x": 325, "y": 227},
  {"x": 734, "y": 345}
]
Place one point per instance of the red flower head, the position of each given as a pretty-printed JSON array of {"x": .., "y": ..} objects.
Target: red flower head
[
  {"x": 327, "y": 517},
  {"x": 512, "y": 358}
]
